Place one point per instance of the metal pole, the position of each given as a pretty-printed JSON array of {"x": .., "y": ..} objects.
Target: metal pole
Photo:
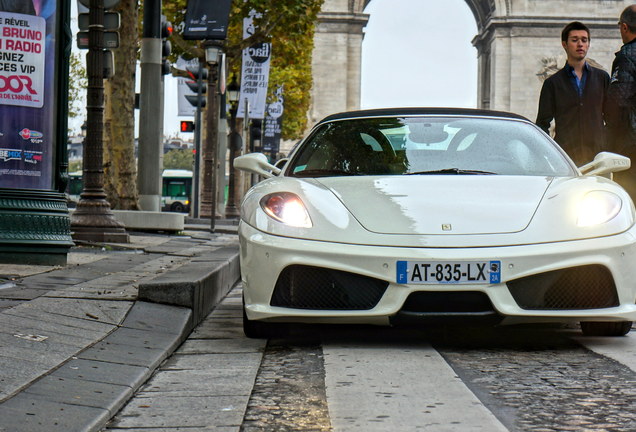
[
  {"x": 93, "y": 219},
  {"x": 235, "y": 143},
  {"x": 197, "y": 147},
  {"x": 150, "y": 110},
  {"x": 212, "y": 139}
]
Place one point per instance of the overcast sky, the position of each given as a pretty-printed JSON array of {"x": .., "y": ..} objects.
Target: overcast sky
[
  {"x": 419, "y": 53},
  {"x": 414, "y": 53}
]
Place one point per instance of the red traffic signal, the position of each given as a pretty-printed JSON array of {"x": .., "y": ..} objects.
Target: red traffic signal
[
  {"x": 166, "y": 29},
  {"x": 187, "y": 126}
]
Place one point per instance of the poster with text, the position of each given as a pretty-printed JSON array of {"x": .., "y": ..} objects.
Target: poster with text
[
  {"x": 254, "y": 74},
  {"x": 273, "y": 125},
  {"x": 27, "y": 93}
]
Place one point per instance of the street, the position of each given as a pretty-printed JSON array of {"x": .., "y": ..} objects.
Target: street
[{"x": 361, "y": 378}]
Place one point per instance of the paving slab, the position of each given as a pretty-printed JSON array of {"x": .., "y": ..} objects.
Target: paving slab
[
  {"x": 60, "y": 331},
  {"x": 35, "y": 414},
  {"x": 125, "y": 354},
  {"x": 103, "y": 372},
  {"x": 104, "y": 311},
  {"x": 221, "y": 346},
  {"x": 74, "y": 391},
  {"x": 158, "y": 411},
  {"x": 158, "y": 317}
]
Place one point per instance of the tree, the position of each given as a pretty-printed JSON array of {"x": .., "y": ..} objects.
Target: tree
[
  {"x": 76, "y": 85},
  {"x": 178, "y": 159},
  {"x": 289, "y": 26},
  {"x": 120, "y": 170}
]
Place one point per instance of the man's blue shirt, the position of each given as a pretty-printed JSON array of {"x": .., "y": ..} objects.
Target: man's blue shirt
[{"x": 579, "y": 84}]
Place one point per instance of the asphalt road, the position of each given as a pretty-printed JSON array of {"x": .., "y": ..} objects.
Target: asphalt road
[{"x": 360, "y": 378}]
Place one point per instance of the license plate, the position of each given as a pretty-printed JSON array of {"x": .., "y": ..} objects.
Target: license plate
[{"x": 448, "y": 272}]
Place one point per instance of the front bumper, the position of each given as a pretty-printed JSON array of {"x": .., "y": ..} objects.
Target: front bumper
[{"x": 264, "y": 257}]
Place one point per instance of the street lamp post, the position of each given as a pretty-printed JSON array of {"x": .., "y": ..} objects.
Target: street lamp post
[
  {"x": 236, "y": 143},
  {"x": 93, "y": 219},
  {"x": 213, "y": 51}
]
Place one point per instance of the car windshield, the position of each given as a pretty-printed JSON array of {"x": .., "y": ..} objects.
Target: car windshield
[{"x": 428, "y": 145}]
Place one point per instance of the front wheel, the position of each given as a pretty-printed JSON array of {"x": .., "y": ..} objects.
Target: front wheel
[
  {"x": 177, "y": 207},
  {"x": 610, "y": 328}
]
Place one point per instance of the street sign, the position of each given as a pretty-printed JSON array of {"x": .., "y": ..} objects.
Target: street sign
[
  {"x": 111, "y": 40},
  {"x": 109, "y": 64},
  {"x": 112, "y": 21},
  {"x": 206, "y": 19}
]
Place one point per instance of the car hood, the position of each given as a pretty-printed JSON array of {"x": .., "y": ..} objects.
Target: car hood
[{"x": 440, "y": 204}]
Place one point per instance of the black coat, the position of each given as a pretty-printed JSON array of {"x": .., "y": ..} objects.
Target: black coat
[{"x": 579, "y": 121}]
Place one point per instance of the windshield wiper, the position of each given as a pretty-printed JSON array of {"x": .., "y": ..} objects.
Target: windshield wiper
[
  {"x": 324, "y": 173},
  {"x": 455, "y": 171}
]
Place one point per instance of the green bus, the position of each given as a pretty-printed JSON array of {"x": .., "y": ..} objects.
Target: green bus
[{"x": 176, "y": 189}]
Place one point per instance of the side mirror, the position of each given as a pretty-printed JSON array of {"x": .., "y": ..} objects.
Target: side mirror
[
  {"x": 606, "y": 163},
  {"x": 281, "y": 163},
  {"x": 256, "y": 163}
]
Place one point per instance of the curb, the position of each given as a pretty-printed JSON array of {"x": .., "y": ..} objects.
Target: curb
[{"x": 84, "y": 393}]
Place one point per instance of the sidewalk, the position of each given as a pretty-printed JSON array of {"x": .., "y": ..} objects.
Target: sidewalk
[{"x": 77, "y": 341}]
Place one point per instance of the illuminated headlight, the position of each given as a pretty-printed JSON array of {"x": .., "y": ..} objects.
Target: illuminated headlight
[
  {"x": 598, "y": 207},
  {"x": 287, "y": 208}
]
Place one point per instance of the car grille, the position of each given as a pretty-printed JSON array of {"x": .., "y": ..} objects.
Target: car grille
[
  {"x": 460, "y": 302},
  {"x": 307, "y": 287},
  {"x": 584, "y": 287}
]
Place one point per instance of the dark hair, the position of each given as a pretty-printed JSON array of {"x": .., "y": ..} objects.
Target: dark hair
[
  {"x": 629, "y": 17},
  {"x": 574, "y": 25}
]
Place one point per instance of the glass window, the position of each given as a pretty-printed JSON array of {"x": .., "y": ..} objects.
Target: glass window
[{"x": 428, "y": 145}]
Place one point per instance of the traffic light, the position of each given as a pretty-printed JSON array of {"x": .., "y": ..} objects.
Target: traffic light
[
  {"x": 187, "y": 126},
  {"x": 198, "y": 77},
  {"x": 166, "y": 46},
  {"x": 111, "y": 24}
]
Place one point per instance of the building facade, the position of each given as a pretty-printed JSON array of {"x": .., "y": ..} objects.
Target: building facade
[{"x": 517, "y": 47}]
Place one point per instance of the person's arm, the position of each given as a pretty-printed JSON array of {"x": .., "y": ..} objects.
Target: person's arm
[
  {"x": 622, "y": 87},
  {"x": 546, "y": 107}
]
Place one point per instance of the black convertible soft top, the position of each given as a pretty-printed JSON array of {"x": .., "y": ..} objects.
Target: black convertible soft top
[{"x": 381, "y": 112}]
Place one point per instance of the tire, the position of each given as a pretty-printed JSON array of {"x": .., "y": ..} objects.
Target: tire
[
  {"x": 177, "y": 207},
  {"x": 260, "y": 329},
  {"x": 611, "y": 328}
]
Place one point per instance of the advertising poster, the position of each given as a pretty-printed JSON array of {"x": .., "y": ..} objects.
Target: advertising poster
[
  {"x": 254, "y": 74},
  {"x": 273, "y": 124},
  {"x": 27, "y": 102}
]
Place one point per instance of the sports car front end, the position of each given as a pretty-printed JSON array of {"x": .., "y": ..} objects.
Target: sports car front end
[{"x": 430, "y": 245}]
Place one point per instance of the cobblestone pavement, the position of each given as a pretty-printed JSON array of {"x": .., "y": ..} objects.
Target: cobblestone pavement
[
  {"x": 545, "y": 382},
  {"x": 289, "y": 393}
]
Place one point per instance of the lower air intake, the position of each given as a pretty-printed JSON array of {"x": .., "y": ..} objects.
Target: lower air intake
[
  {"x": 584, "y": 287},
  {"x": 307, "y": 287}
]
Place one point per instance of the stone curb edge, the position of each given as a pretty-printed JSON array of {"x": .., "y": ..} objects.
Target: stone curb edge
[{"x": 84, "y": 393}]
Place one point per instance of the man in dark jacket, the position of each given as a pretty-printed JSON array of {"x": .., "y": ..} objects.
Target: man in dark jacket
[
  {"x": 574, "y": 98},
  {"x": 621, "y": 100}
]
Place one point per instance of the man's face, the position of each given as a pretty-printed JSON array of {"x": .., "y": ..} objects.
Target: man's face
[{"x": 577, "y": 45}]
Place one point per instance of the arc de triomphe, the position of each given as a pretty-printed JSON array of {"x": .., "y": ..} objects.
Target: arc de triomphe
[{"x": 517, "y": 46}]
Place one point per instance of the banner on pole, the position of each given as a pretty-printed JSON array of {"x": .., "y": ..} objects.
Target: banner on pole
[
  {"x": 254, "y": 73},
  {"x": 273, "y": 124}
]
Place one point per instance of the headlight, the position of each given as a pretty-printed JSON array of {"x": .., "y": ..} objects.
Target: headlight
[
  {"x": 287, "y": 208},
  {"x": 598, "y": 207}
]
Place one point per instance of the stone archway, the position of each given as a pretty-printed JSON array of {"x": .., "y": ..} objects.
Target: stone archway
[{"x": 517, "y": 42}]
